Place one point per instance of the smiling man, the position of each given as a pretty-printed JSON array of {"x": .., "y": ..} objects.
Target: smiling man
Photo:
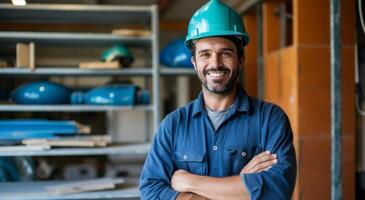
[{"x": 224, "y": 144}]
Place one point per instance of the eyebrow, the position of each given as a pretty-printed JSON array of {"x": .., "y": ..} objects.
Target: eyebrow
[
  {"x": 204, "y": 51},
  {"x": 227, "y": 49},
  {"x": 208, "y": 50}
]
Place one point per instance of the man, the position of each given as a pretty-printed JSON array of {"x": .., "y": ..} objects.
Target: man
[{"x": 224, "y": 144}]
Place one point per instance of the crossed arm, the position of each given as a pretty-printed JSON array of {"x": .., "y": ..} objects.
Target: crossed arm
[
  {"x": 196, "y": 187},
  {"x": 159, "y": 180}
]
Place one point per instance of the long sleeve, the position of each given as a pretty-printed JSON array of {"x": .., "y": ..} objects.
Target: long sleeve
[
  {"x": 277, "y": 137},
  {"x": 158, "y": 167}
]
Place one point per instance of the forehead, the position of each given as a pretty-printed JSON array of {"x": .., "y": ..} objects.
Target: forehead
[{"x": 215, "y": 43}]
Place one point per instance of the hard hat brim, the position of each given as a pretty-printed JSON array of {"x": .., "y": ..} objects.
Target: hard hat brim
[{"x": 244, "y": 37}]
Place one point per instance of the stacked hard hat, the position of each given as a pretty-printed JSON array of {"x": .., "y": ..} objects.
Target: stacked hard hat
[{"x": 118, "y": 53}]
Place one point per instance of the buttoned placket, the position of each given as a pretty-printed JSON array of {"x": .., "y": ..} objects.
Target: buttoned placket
[{"x": 216, "y": 149}]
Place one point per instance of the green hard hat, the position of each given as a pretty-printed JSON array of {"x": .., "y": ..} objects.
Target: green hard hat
[
  {"x": 215, "y": 19},
  {"x": 118, "y": 52}
]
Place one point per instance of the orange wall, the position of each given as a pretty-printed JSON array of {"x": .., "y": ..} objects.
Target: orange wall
[
  {"x": 281, "y": 81},
  {"x": 271, "y": 23},
  {"x": 250, "y": 69},
  {"x": 298, "y": 79}
]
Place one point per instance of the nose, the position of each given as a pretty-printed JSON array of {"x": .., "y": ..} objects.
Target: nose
[{"x": 215, "y": 60}]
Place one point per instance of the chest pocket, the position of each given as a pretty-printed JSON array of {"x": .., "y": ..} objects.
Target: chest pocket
[
  {"x": 235, "y": 159},
  {"x": 192, "y": 161}
]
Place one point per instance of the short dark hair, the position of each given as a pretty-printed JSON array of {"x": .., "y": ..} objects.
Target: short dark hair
[{"x": 236, "y": 40}]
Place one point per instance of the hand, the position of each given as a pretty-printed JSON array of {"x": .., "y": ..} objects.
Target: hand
[
  {"x": 261, "y": 162},
  {"x": 179, "y": 180},
  {"x": 189, "y": 196}
]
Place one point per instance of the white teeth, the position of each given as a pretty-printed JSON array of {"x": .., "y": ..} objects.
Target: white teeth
[{"x": 216, "y": 74}]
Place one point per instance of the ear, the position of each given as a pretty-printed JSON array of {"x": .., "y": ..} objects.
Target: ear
[
  {"x": 193, "y": 61},
  {"x": 241, "y": 62},
  {"x": 242, "y": 59}
]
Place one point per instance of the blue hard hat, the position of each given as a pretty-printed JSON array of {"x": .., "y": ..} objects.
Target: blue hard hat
[
  {"x": 175, "y": 54},
  {"x": 120, "y": 53}
]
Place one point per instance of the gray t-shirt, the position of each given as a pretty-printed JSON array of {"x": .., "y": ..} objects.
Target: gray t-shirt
[{"x": 217, "y": 117}]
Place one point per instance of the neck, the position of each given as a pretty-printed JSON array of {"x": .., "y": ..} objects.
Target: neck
[{"x": 218, "y": 102}]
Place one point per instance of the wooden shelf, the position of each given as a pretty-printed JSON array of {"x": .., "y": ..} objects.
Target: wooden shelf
[
  {"x": 36, "y": 190},
  {"x": 130, "y": 149}
]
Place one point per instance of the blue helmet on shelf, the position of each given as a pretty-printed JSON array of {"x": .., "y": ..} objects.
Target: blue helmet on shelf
[
  {"x": 118, "y": 53},
  {"x": 175, "y": 54},
  {"x": 41, "y": 92}
]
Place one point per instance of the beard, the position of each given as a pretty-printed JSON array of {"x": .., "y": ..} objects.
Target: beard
[{"x": 221, "y": 88}]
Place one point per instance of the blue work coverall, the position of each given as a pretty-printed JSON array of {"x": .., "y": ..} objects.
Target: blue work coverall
[{"x": 187, "y": 140}]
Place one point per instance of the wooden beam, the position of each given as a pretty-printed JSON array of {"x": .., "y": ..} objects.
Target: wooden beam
[
  {"x": 163, "y": 6},
  {"x": 174, "y": 26}
]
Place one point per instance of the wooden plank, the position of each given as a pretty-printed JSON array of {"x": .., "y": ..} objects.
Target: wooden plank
[
  {"x": 31, "y": 55},
  {"x": 25, "y": 55},
  {"x": 24, "y": 148},
  {"x": 131, "y": 32},
  {"x": 125, "y": 150},
  {"x": 84, "y": 186},
  {"x": 22, "y": 55},
  {"x": 36, "y": 190},
  {"x": 3, "y": 63},
  {"x": 83, "y": 129},
  {"x": 78, "y": 141},
  {"x": 100, "y": 65},
  {"x": 59, "y": 143}
]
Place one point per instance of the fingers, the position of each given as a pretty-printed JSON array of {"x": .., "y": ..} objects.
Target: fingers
[
  {"x": 266, "y": 165},
  {"x": 266, "y": 169},
  {"x": 260, "y": 162},
  {"x": 264, "y": 161}
]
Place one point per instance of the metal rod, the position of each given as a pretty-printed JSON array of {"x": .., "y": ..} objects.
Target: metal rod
[
  {"x": 358, "y": 97},
  {"x": 336, "y": 99},
  {"x": 147, "y": 62},
  {"x": 247, "y": 5},
  {"x": 260, "y": 54},
  {"x": 283, "y": 20},
  {"x": 155, "y": 68}
]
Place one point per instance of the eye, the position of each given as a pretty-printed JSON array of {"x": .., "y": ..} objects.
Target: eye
[
  {"x": 226, "y": 54},
  {"x": 204, "y": 55}
]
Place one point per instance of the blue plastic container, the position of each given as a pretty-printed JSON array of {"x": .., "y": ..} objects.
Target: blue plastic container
[
  {"x": 175, "y": 54},
  {"x": 19, "y": 129},
  {"x": 143, "y": 97},
  {"x": 120, "y": 94},
  {"x": 41, "y": 92}
]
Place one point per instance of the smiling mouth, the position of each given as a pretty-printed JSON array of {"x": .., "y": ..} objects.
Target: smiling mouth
[{"x": 217, "y": 73}]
